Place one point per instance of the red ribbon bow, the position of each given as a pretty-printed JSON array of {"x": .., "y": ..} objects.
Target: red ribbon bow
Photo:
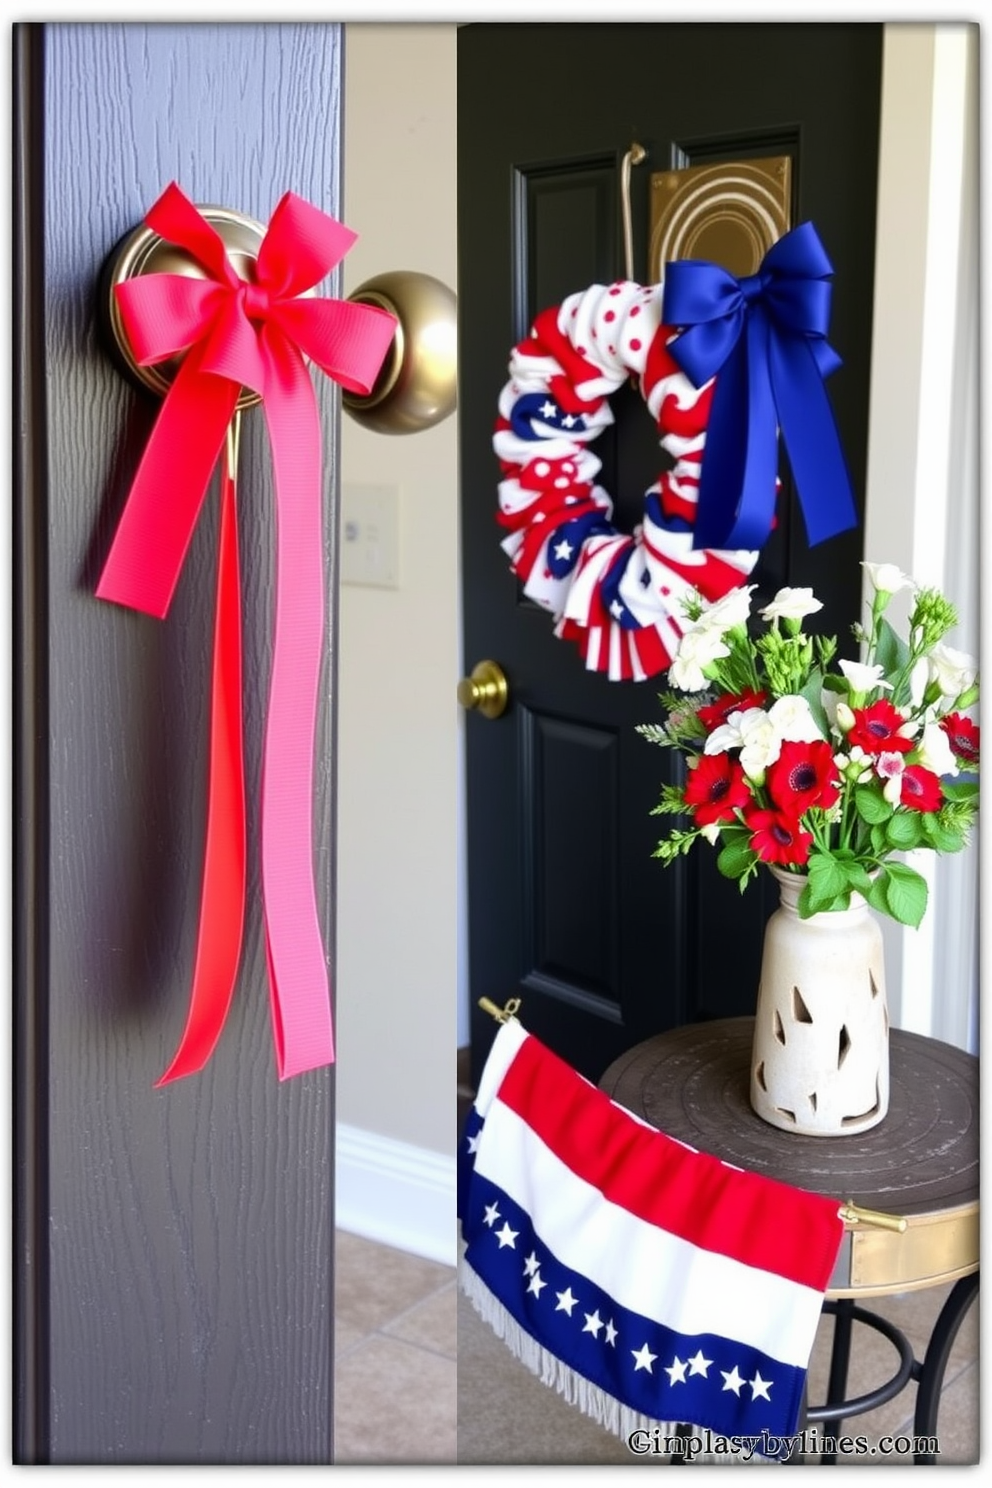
[{"x": 238, "y": 334}]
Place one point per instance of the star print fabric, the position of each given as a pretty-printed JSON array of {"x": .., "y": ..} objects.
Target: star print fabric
[
  {"x": 617, "y": 594},
  {"x": 650, "y": 1283}
]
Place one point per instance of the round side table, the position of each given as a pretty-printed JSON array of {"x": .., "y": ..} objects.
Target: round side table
[{"x": 920, "y": 1162}]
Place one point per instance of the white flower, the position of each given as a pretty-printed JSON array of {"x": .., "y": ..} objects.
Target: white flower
[
  {"x": 793, "y": 718},
  {"x": 886, "y": 578},
  {"x": 758, "y": 739},
  {"x": 862, "y": 677},
  {"x": 733, "y": 609},
  {"x": 954, "y": 671},
  {"x": 918, "y": 679},
  {"x": 935, "y": 752},
  {"x": 889, "y": 767},
  {"x": 759, "y": 735},
  {"x": 697, "y": 648},
  {"x": 711, "y": 833},
  {"x": 726, "y": 735},
  {"x": 791, "y": 604}
]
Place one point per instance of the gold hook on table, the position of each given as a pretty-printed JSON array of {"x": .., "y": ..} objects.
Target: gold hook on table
[{"x": 852, "y": 1214}]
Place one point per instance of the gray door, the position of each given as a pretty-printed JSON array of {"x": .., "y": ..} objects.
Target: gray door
[
  {"x": 567, "y": 907},
  {"x": 174, "y": 1266}
]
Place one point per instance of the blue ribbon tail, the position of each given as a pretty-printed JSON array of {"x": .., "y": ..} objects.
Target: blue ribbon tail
[
  {"x": 809, "y": 431},
  {"x": 740, "y": 460}
]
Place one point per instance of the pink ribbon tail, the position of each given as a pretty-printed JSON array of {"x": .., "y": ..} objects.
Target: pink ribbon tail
[{"x": 298, "y": 979}]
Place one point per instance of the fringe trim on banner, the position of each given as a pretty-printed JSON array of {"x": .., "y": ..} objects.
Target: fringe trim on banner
[{"x": 575, "y": 1389}]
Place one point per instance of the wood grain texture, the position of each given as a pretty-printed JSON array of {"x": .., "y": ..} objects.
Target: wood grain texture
[{"x": 190, "y": 1228}]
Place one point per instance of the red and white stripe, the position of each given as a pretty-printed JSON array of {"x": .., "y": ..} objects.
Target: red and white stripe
[{"x": 579, "y": 353}]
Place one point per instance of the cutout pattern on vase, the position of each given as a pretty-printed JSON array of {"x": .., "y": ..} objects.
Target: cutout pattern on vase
[{"x": 820, "y": 1057}]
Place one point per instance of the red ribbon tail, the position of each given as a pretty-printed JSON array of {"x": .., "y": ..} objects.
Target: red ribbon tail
[
  {"x": 155, "y": 528},
  {"x": 222, "y": 901}
]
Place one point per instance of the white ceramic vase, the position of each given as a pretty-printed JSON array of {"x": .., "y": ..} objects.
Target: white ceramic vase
[{"x": 820, "y": 1057}]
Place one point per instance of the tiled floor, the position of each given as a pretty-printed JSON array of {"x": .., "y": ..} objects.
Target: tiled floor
[
  {"x": 395, "y": 1391},
  {"x": 397, "y": 1379}
]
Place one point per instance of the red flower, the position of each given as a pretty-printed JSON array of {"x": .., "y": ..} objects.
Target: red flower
[
  {"x": 713, "y": 714},
  {"x": 715, "y": 788},
  {"x": 876, "y": 729},
  {"x": 802, "y": 776},
  {"x": 778, "y": 837},
  {"x": 920, "y": 789},
  {"x": 963, "y": 736}
]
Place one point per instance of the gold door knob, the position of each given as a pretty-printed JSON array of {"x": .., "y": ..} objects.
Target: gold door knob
[{"x": 486, "y": 689}]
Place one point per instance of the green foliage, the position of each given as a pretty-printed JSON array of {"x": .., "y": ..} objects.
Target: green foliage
[{"x": 845, "y": 831}]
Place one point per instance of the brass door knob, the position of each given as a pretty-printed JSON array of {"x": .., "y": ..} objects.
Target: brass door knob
[
  {"x": 417, "y": 384},
  {"x": 486, "y": 689}
]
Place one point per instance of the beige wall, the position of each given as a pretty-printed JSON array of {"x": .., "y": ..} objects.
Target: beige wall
[{"x": 398, "y": 748}]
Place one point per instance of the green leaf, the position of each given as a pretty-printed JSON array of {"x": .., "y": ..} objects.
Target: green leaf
[
  {"x": 811, "y": 692},
  {"x": 879, "y": 845},
  {"x": 803, "y": 908},
  {"x": 859, "y": 878},
  {"x": 871, "y": 805},
  {"x": 827, "y": 881},
  {"x": 893, "y": 653},
  {"x": 876, "y": 894},
  {"x": 960, "y": 790},
  {"x": 938, "y": 836},
  {"x": 904, "y": 830},
  {"x": 905, "y": 894},
  {"x": 736, "y": 857}
]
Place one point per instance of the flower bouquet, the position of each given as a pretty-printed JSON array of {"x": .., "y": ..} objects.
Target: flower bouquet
[{"x": 823, "y": 770}]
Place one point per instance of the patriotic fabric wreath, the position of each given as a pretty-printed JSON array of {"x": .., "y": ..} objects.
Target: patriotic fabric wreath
[
  {"x": 617, "y": 595},
  {"x": 650, "y": 1284}
]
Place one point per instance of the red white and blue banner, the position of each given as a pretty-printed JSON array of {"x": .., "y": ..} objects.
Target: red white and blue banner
[{"x": 651, "y": 1284}]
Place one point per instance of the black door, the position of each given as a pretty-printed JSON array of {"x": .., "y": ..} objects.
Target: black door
[
  {"x": 174, "y": 1247},
  {"x": 567, "y": 908}
]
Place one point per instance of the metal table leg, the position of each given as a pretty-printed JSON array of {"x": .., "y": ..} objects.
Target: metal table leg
[
  {"x": 837, "y": 1408},
  {"x": 840, "y": 1360},
  {"x": 931, "y": 1374}
]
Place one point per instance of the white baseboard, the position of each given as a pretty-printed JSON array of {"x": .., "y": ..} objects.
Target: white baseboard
[{"x": 395, "y": 1193}]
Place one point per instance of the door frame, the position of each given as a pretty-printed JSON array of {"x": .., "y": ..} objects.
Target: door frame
[
  {"x": 925, "y": 377},
  {"x": 30, "y": 837}
]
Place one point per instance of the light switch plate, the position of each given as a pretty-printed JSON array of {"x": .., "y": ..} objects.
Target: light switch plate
[{"x": 370, "y": 535}]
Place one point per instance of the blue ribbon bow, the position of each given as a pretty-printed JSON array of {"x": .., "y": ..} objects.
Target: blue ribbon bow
[{"x": 766, "y": 337}]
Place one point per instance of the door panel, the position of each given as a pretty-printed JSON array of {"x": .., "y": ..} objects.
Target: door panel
[
  {"x": 175, "y": 1245},
  {"x": 564, "y": 762},
  {"x": 567, "y": 908}
]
